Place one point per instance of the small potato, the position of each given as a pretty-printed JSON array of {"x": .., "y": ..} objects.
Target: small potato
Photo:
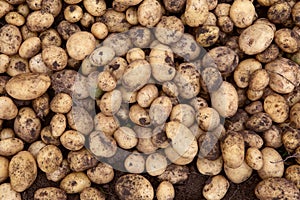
[
  {"x": 5, "y": 8},
  {"x": 211, "y": 77},
  {"x": 110, "y": 102},
  {"x": 207, "y": 118},
  {"x": 238, "y": 15},
  {"x": 80, "y": 44},
  {"x": 272, "y": 188},
  {"x": 7, "y": 192},
  {"x": 225, "y": 100},
  {"x": 11, "y": 39},
  {"x": 50, "y": 37},
  {"x": 196, "y": 12},
  {"x": 254, "y": 95},
  {"x": 17, "y": 66},
  {"x": 120, "y": 42},
  {"x": 36, "y": 65},
  {"x": 48, "y": 193},
  {"x": 149, "y": 13},
  {"x": 125, "y": 137},
  {"x": 95, "y": 8},
  {"x": 175, "y": 174},
  {"x": 73, "y": 13},
  {"x": 259, "y": 122},
  {"x": 184, "y": 114},
  {"x": 72, "y": 140},
  {"x": 254, "y": 158},
  {"x": 28, "y": 86},
  {"x": 135, "y": 54},
  {"x": 55, "y": 57},
  {"x": 87, "y": 20},
  {"x": 160, "y": 110},
  {"x": 99, "y": 30},
  {"x": 165, "y": 191},
  {"x": 215, "y": 188},
  {"x": 146, "y": 95},
  {"x": 48, "y": 138},
  {"x": 145, "y": 144},
  {"x": 133, "y": 186},
  {"x": 252, "y": 139},
  {"x": 106, "y": 124},
  {"x": 10, "y": 146},
  {"x": 101, "y": 144},
  {"x": 254, "y": 107},
  {"x": 79, "y": 119},
  {"x": 210, "y": 167},
  {"x": 277, "y": 107},
  {"x": 30, "y": 47},
  {"x": 174, "y": 6},
  {"x": 256, "y": 38},
  {"x": 259, "y": 79},
  {"x": 272, "y": 164},
  {"x": 287, "y": 40},
  {"x": 58, "y": 124},
  {"x": 91, "y": 193},
  {"x": 75, "y": 182},
  {"x": 135, "y": 163},
  {"x": 39, "y": 21},
  {"x": 66, "y": 29},
  {"x": 209, "y": 146},
  {"x": 268, "y": 55},
  {"x": 106, "y": 81},
  {"x": 61, "y": 103},
  {"x": 102, "y": 56},
  {"x": 4, "y": 163},
  {"x": 272, "y": 137},
  {"x": 8, "y": 108},
  {"x": 233, "y": 149},
  {"x": 290, "y": 139},
  {"x": 292, "y": 173},
  {"x": 239, "y": 174},
  {"x": 156, "y": 164},
  {"x": 101, "y": 174},
  {"x": 22, "y": 171},
  {"x": 295, "y": 13},
  {"x": 136, "y": 75},
  {"x": 60, "y": 172},
  {"x": 49, "y": 158},
  {"x": 53, "y": 7},
  {"x": 115, "y": 21},
  {"x": 35, "y": 147},
  {"x": 27, "y": 125},
  {"x": 6, "y": 133},
  {"x": 81, "y": 160},
  {"x": 295, "y": 116},
  {"x": 131, "y": 16}
]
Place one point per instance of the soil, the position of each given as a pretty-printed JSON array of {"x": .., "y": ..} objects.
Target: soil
[{"x": 190, "y": 190}]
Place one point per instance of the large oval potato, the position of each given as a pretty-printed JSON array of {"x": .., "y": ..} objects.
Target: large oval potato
[
  {"x": 28, "y": 86},
  {"x": 22, "y": 171}
]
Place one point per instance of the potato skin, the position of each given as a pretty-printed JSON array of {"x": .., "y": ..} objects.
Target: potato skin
[
  {"x": 276, "y": 188},
  {"x": 22, "y": 171},
  {"x": 233, "y": 149},
  {"x": 49, "y": 193},
  {"x": 10, "y": 146}
]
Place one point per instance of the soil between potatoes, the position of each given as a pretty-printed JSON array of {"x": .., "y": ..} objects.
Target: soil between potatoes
[{"x": 190, "y": 190}]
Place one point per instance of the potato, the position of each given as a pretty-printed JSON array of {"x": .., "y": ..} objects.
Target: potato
[
  {"x": 238, "y": 15},
  {"x": 58, "y": 125},
  {"x": 30, "y": 47},
  {"x": 281, "y": 188},
  {"x": 79, "y": 119},
  {"x": 156, "y": 164},
  {"x": 5, "y": 8},
  {"x": 110, "y": 102},
  {"x": 61, "y": 103},
  {"x": 115, "y": 21},
  {"x": 292, "y": 173},
  {"x": 252, "y": 139},
  {"x": 272, "y": 137},
  {"x": 91, "y": 193},
  {"x": 233, "y": 149},
  {"x": 277, "y": 108},
  {"x": 259, "y": 122},
  {"x": 196, "y": 12},
  {"x": 146, "y": 95},
  {"x": 55, "y": 57},
  {"x": 136, "y": 75},
  {"x": 295, "y": 13},
  {"x": 282, "y": 72},
  {"x": 95, "y": 8},
  {"x": 81, "y": 160},
  {"x": 209, "y": 146},
  {"x": 225, "y": 100},
  {"x": 99, "y": 29},
  {"x": 66, "y": 29},
  {"x": 28, "y": 86},
  {"x": 207, "y": 118},
  {"x": 210, "y": 167},
  {"x": 268, "y": 55},
  {"x": 11, "y": 39},
  {"x": 10, "y": 146},
  {"x": 80, "y": 44},
  {"x": 49, "y": 158},
  {"x": 48, "y": 193},
  {"x": 38, "y": 21},
  {"x": 22, "y": 171},
  {"x": 215, "y": 188},
  {"x": 27, "y": 125},
  {"x": 60, "y": 172},
  {"x": 75, "y": 182},
  {"x": 73, "y": 13},
  {"x": 135, "y": 163},
  {"x": 176, "y": 158},
  {"x": 4, "y": 163},
  {"x": 101, "y": 174},
  {"x": 120, "y": 42},
  {"x": 101, "y": 144},
  {"x": 125, "y": 137},
  {"x": 165, "y": 191},
  {"x": 294, "y": 116},
  {"x": 256, "y": 38},
  {"x": 53, "y": 7},
  {"x": 7, "y": 192},
  {"x": 254, "y": 158},
  {"x": 133, "y": 186},
  {"x": 101, "y": 56},
  {"x": 35, "y": 147},
  {"x": 87, "y": 20},
  {"x": 290, "y": 139},
  {"x": 8, "y": 107},
  {"x": 36, "y": 65},
  {"x": 106, "y": 124},
  {"x": 272, "y": 164},
  {"x": 17, "y": 66},
  {"x": 145, "y": 144},
  {"x": 160, "y": 110},
  {"x": 149, "y": 13},
  {"x": 47, "y": 136},
  {"x": 183, "y": 113},
  {"x": 239, "y": 174},
  {"x": 259, "y": 80},
  {"x": 72, "y": 140}
]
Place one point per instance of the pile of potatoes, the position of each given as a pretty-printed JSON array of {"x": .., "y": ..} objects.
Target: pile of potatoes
[{"x": 88, "y": 87}]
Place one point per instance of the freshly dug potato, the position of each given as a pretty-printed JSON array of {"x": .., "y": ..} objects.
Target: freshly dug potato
[
  {"x": 146, "y": 95},
  {"x": 156, "y": 164},
  {"x": 101, "y": 174},
  {"x": 207, "y": 118},
  {"x": 287, "y": 40},
  {"x": 225, "y": 100},
  {"x": 30, "y": 47},
  {"x": 79, "y": 119},
  {"x": 210, "y": 167},
  {"x": 233, "y": 149},
  {"x": 295, "y": 116},
  {"x": 280, "y": 188},
  {"x": 196, "y": 12},
  {"x": 10, "y": 146},
  {"x": 7, "y": 192},
  {"x": 292, "y": 173},
  {"x": 8, "y": 108},
  {"x": 215, "y": 188},
  {"x": 60, "y": 172},
  {"x": 58, "y": 125},
  {"x": 110, "y": 102},
  {"x": 239, "y": 174},
  {"x": 290, "y": 139},
  {"x": 49, "y": 193},
  {"x": 75, "y": 182},
  {"x": 135, "y": 163},
  {"x": 277, "y": 107},
  {"x": 101, "y": 144},
  {"x": 209, "y": 146},
  {"x": 28, "y": 86},
  {"x": 35, "y": 147},
  {"x": 49, "y": 158},
  {"x": 61, "y": 103},
  {"x": 11, "y": 39},
  {"x": 238, "y": 15},
  {"x": 160, "y": 110},
  {"x": 81, "y": 160},
  {"x": 183, "y": 113},
  {"x": 175, "y": 174},
  {"x": 4, "y": 164},
  {"x": 133, "y": 186},
  {"x": 272, "y": 164},
  {"x": 91, "y": 193},
  {"x": 256, "y": 38},
  {"x": 259, "y": 122},
  {"x": 72, "y": 140},
  {"x": 106, "y": 124},
  {"x": 27, "y": 125},
  {"x": 273, "y": 137},
  {"x": 149, "y": 13},
  {"x": 254, "y": 158},
  {"x": 165, "y": 191},
  {"x": 47, "y": 136},
  {"x": 22, "y": 171},
  {"x": 115, "y": 21},
  {"x": 125, "y": 137},
  {"x": 38, "y": 21},
  {"x": 252, "y": 139},
  {"x": 120, "y": 42},
  {"x": 55, "y": 57}
]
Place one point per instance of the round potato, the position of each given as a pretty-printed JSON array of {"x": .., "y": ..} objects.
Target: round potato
[
  {"x": 165, "y": 191},
  {"x": 8, "y": 108},
  {"x": 215, "y": 188},
  {"x": 81, "y": 160},
  {"x": 101, "y": 174},
  {"x": 49, "y": 158},
  {"x": 75, "y": 182}
]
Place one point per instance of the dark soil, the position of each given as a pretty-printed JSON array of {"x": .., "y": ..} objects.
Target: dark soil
[{"x": 190, "y": 190}]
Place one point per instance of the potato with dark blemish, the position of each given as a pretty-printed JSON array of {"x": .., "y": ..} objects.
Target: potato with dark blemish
[
  {"x": 47, "y": 193},
  {"x": 259, "y": 122},
  {"x": 52, "y": 6},
  {"x": 81, "y": 160},
  {"x": 55, "y": 58},
  {"x": 279, "y": 12},
  {"x": 75, "y": 182},
  {"x": 287, "y": 40},
  {"x": 61, "y": 103},
  {"x": 209, "y": 167},
  {"x": 139, "y": 115},
  {"x": 115, "y": 21},
  {"x": 101, "y": 174},
  {"x": 196, "y": 12},
  {"x": 49, "y": 158},
  {"x": 175, "y": 174},
  {"x": 94, "y": 7},
  {"x": 125, "y": 137},
  {"x": 238, "y": 14},
  {"x": 11, "y": 146},
  {"x": 11, "y": 39},
  {"x": 73, "y": 13},
  {"x": 207, "y": 35},
  {"x": 119, "y": 42},
  {"x": 39, "y": 21},
  {"x": 268, "y": 55},
  {"x": 209, "y": 146},
  {"x": 60, "y": 172},
  {"x": 296, "y": 13},
  {"x": 290, "y": 139},
  {"x": 149, "y": 13},
  {"x": 90, "y": 193},
  {"x": 276, "y": 106},
  {"x": 106, "y": 81},
  {"x": 160, "y": 110},
  {"x": 102, "y": 145},
  {"x": 66, "y": 29},
  {"x": 174, "y": 6},
  {"x": 135, "y": 163},
  {"x": 215, "y": 188}
]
